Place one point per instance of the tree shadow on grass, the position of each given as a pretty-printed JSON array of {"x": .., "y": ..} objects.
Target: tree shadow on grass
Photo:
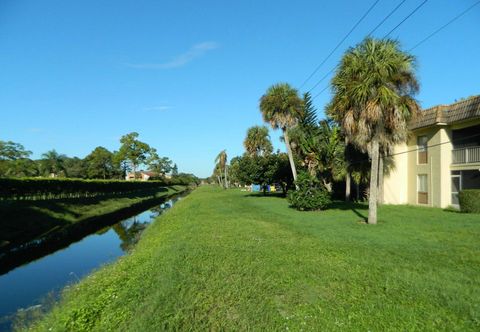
[
  {"x": 355, "y": 207},
  {"x": 260, "y": 194}
]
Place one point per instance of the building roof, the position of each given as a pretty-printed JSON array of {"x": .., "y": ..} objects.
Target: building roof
[{"x": 448, "y": 114}]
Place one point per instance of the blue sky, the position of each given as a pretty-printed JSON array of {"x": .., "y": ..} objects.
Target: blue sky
[{"x": 187, "y": 75}]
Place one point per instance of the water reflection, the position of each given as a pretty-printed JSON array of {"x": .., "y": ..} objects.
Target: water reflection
[{"x": 25, "y": 286}]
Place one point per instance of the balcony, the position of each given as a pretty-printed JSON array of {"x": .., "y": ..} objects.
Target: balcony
[{"x": 466, "y": 155}]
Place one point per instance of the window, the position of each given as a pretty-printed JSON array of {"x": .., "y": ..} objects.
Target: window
[
  {"x": 422, "y": 188},
  {"x": 422, "y": 143}
]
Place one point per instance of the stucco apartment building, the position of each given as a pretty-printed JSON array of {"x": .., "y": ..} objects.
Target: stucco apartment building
[{"x": 441, "y": 158}]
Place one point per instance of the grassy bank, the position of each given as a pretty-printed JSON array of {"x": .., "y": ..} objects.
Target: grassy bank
[
  {"x": 225, "y": 260},
  {"x": 24, "y": 221}
]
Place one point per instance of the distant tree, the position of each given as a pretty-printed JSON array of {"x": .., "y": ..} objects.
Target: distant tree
[
  {"x": 12, "y": 151},
  {"x": 257, "y": 142},
  {"x": 14, "y": 160},
  {"x": 282, "y": 108},
  {"x": 174, "y": 170},
  {"x": 186, "y": 179},
  {"x": 221, "y": 162},
  {"x": 23, "y": 167},
  {"x": 159, "y": 165},
  {"x": 373, "y": 101},
  {"x": 100, "y": 163},
  {"x": 264, "y": 170},
  {"x": 133, "y": 151},
  {"x": 52, "y": 163},
  {"x": 75, "y": 168}
]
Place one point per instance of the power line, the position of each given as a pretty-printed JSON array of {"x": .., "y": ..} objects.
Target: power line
[
  {"x": 418, "y": 44},
  {"x": 372, "y": 31},
  {"x": 323, "y": 78},
  {"x": 445, "y": 25},
  {"x": 318, "y": 94},
  {"x": 417, "y": 149},
  {"x": 386, "y": 18},
  {"x": 338, "y": 45},
  {"x": 406, "y": 18}
]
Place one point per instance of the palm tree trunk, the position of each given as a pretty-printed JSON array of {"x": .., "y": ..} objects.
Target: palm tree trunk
[
  {"x": 380, "y": 180},
  {"x": 348, "y": 177},
  {"x": 290, "y": 155},
  {"x": 373, "y": 194},
  {"x": 347, "y": 186},
  {"x": 226, "y": 178}
]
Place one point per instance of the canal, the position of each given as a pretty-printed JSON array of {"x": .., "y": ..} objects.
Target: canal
[{"x": 38, "y": 283}]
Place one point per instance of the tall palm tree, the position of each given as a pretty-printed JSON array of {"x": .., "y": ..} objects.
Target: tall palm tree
[
  {"x": 221, "y": 161},
  {"x": 257, "y": 142},
  {"x": 373, "y": 100},
  {"x": 282, "y": 108}
]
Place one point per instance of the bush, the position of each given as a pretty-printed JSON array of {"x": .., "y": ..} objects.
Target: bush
[
  {"x": 469, "y": 200},
  {"x": 310, "y": 195}
]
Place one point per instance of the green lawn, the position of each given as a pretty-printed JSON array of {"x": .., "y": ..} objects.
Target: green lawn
[{"x": 224, "y": 260}]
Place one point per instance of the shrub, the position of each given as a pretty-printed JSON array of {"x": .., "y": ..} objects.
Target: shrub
[
  {"x": 310, "y": 195},
  {"x": 469, "y": 200}
]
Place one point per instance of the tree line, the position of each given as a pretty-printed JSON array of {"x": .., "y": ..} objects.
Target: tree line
[{"x": 101, "y": 163}]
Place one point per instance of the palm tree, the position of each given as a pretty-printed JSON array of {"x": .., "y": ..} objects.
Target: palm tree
[
  {"x": 373, "y": 101},
  {"x": 257, "y": 142},
  {"x": 221, "y": 161},
  {"x": 52, "y": 162},
  {"x": 282, "y": 108}
]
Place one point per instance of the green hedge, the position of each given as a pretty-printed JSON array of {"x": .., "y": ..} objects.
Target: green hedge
[
  {"x": 470, "y": 200},
  {"x": 38, "y": 188}
]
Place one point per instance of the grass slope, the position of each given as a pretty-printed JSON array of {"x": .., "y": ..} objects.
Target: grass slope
[
  {"x": 224, "y": 260},
  {"x": 22, "y": 221}
]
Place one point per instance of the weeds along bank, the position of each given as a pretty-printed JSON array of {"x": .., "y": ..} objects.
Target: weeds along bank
[{"x": 230, "y": 260}]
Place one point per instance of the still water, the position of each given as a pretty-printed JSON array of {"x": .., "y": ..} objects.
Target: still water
[{"x": 29, "y": 285}]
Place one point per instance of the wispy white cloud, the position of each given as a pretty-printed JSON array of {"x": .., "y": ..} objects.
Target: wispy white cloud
[
  {"x": 35, "y": 130},
  {"x": 162, "y": 108},
  {"x": 194, "y": 52}
]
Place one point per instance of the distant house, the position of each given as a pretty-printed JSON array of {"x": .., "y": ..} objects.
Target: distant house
[
  {"x": 441, "y": 158},
  {"x": 142, "y": 175}
]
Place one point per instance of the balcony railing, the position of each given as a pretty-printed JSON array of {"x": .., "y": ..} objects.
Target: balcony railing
[{"x": 466, "y": 155}]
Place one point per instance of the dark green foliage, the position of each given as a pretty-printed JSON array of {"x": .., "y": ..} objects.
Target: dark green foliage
[
  {"x": 263, "y": 170},
  {"x": 310, "y": 195},
  {"x": 53, "y": 163},
  {"x": 100, "y": 164},
  {"x": 309, "y": 117},
  {"x": 12, "y": 151},
  {"x": 75, "y": 168},
  {"x": 133, "y": 151},
  {"x": 469, "y": 200},
  {"x": 184, "y": 179},
  {"x": 34, "y": 188}
]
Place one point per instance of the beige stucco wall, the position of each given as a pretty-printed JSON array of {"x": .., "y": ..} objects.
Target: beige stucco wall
[
  {"x": 400, "y": 186},
  {"x": 395, "y": 189},
  {"x": 445, "y": 179}
]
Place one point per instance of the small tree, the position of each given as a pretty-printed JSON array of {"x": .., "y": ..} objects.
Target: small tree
[
  {"x": 133, "y": 151},
  {"x": 99, "y": 163},
  {"x": 159, "y": 165}
]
